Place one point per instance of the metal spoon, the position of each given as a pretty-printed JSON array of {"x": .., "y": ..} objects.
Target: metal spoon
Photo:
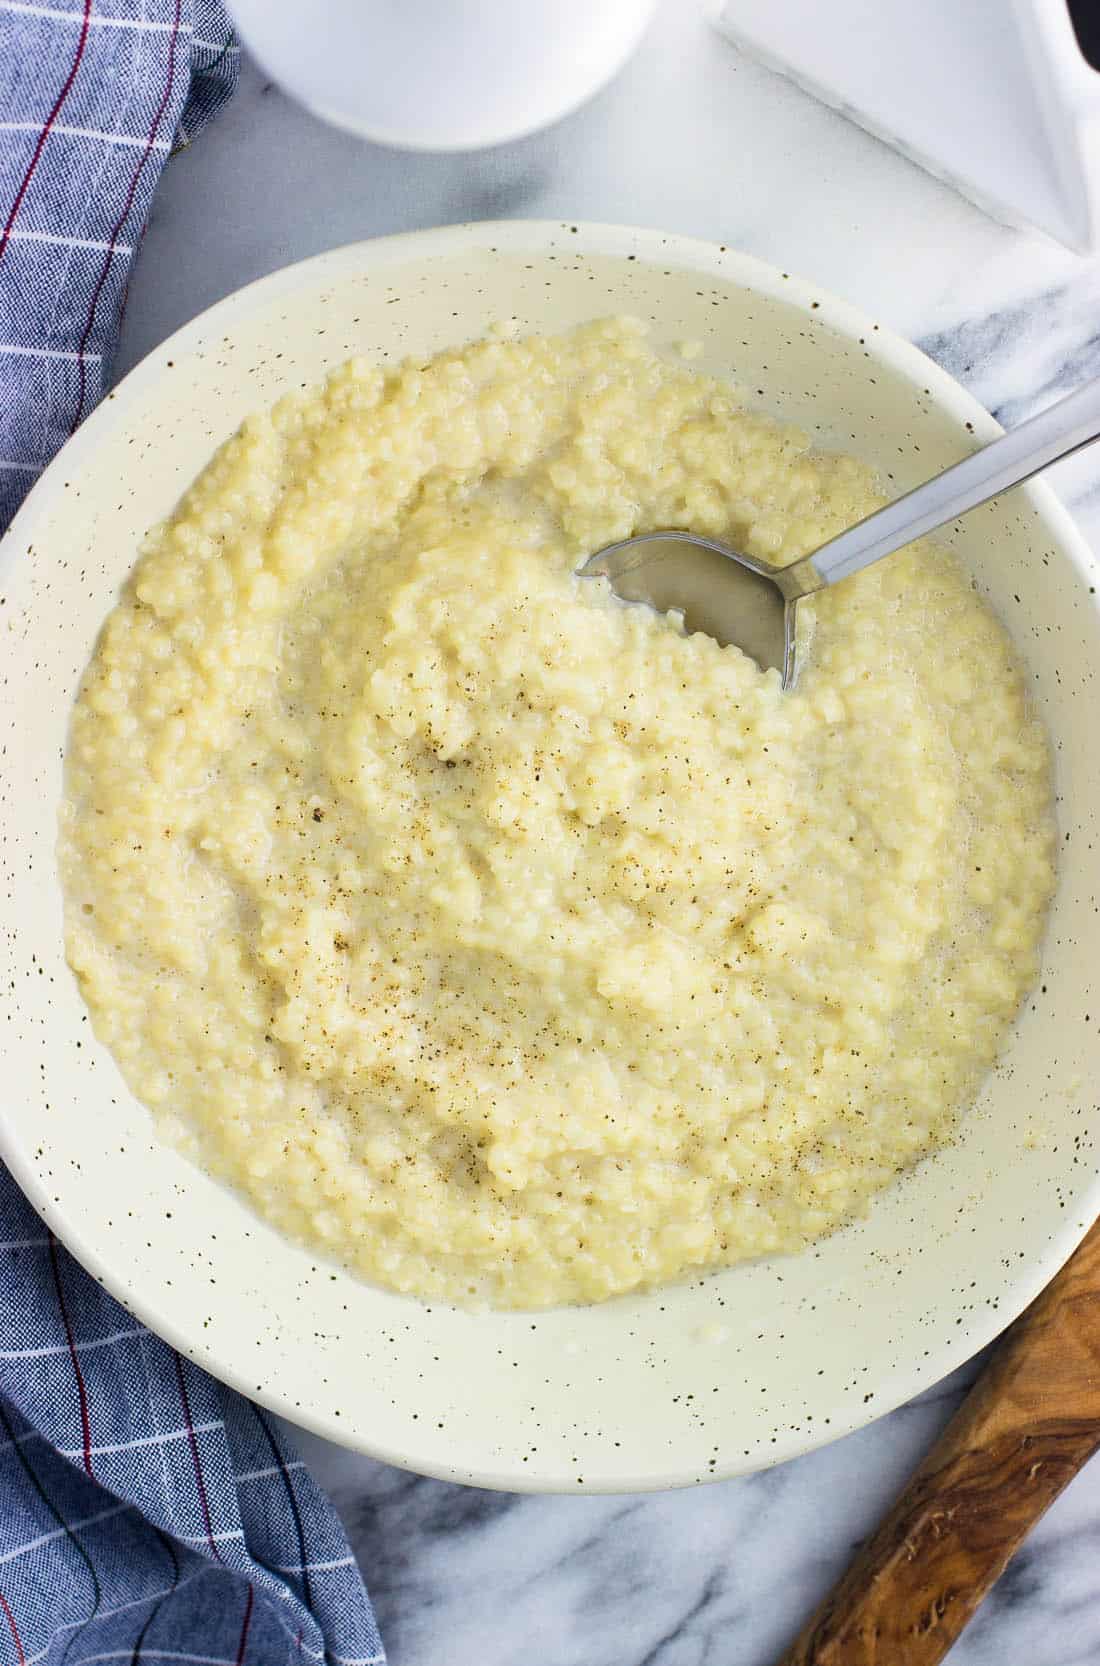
[{"x": 744, "y": 602}]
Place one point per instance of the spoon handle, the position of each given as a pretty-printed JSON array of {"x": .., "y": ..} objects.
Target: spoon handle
[
  {"x": 1027, "y": 1426},
  {"x": 1055, "y": 433}
]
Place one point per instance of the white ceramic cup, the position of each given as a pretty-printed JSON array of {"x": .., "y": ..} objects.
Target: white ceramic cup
[{"x": 442, "y": 74}]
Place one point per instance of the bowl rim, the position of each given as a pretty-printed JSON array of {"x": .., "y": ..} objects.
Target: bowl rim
[{"x": 536, "y": 237}]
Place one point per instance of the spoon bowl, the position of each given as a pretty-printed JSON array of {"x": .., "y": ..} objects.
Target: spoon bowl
[{"x": 738, "y": 601}]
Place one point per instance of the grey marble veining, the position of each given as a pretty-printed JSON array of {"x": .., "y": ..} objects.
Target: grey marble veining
[
  {"x": 696, "y": 139},
  {"x": 1020, "y": 354},
  {"x": 717, "y": 1576}
]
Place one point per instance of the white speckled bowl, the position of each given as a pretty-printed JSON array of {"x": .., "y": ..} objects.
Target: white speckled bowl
[{"x": 731, "y": 1372}]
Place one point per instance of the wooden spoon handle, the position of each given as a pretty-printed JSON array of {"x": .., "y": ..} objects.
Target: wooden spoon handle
[{"x": 1027, "y": 1426}]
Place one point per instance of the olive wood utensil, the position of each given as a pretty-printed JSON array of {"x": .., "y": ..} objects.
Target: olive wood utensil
[{"x": 1030, "y": 1422}]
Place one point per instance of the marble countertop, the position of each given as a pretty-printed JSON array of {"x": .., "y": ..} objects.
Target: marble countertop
[{"x": 693, "y": 138}]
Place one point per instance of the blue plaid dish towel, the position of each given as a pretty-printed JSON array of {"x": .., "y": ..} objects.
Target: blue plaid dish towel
[
  {"x": 147, "y": 1514},
  {"x": 94, "y": 95}
]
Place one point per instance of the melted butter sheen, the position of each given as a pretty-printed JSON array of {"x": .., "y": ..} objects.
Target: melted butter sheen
[{"x": 498, "y": 939}]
